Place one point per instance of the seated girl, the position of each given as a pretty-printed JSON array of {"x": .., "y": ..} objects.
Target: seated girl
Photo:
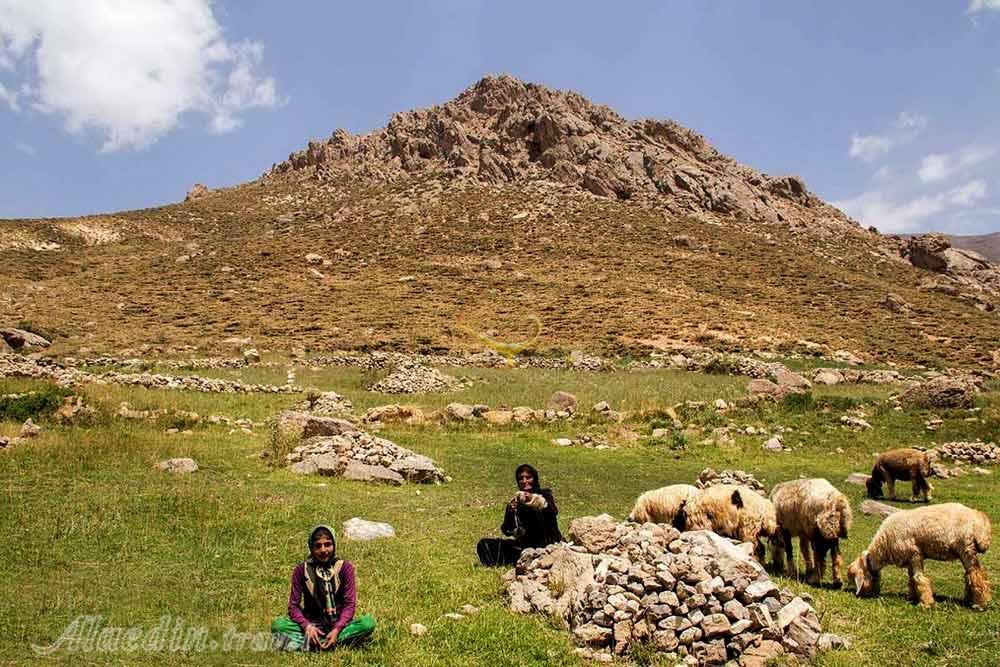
[
  {"x": 529, "y": 518},
  {"x": 321, "y": 603}
]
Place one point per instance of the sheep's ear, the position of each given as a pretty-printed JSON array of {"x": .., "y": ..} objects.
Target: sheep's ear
[
  {"x": 737, "y": 499},
  {"x": 858, "y": 581}
]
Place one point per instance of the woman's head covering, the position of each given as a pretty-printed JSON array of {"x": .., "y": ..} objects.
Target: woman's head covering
[
  {"x": 537, "y": 484},
  {"x": 314, "y": 533}
]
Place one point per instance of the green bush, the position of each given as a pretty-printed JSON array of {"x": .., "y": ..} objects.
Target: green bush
[{"x": 34, "y": 404}]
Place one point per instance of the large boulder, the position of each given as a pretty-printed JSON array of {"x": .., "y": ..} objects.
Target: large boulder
[
  {"x": 941, "y": 392},
  {"x": 562, "y": 401},
  {"x": 360, "y": 530},
  {"x": 302, "y": 425},
  {"x": 19, "y": 339},
  {"x": 180, "y": 466}
]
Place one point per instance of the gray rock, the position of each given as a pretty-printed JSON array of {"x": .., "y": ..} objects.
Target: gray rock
[
  {"x": 361, "y": 472},
  {"x": 871, "y": 507},
  {"x": 418, "y": 630},
  {"x": 797, "y": 607},
  {"x": 562, "y": 400},
  {"x": 714, "y": 625},
  {"x": 592, "y": 635},
  {"x": 859, "y": 478}
]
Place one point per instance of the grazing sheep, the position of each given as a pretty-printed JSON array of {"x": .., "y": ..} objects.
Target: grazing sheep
[
  {"x": 820, "y": 516},
  {"x": 662, "y": 505},
  {"x": 906, "y": 464},
  {"x": 733, "y": 511},
  {"x": 950, "y": 531}
]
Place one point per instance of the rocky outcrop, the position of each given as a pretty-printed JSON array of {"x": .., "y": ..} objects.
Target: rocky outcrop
[
  {"x": 197, "y": 191},
  {"x": 709, "y": 477},
  {"x": 503, "y": 130},
  {"x": 621, "y": 585},
  {"x": 19, "y": 339},
  {"x": 934, "y": 252}
]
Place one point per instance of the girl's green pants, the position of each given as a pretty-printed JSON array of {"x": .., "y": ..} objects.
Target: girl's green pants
[{"x": 288, "y": 636}]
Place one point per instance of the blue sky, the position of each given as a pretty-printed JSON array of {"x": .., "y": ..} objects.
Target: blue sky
[{"x": 888, "y": 109}]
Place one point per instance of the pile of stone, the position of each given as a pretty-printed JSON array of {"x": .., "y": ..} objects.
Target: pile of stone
[
  {"x": 326, "y": 404},
  {"x": 944, "y": 391},
  {"x": 415, "y": 378},
  {"x": 832, "y": 376},
  {"x": 176, "y": 364},
  {"x": 409, "y": 414},
  {"x": 978, "y": 453},
  {"x": 580, "y": 361},
  {"x": 695, "y": 595},
  {"x": 709, "y": 477},
  {"x": 331, "y": 446}
]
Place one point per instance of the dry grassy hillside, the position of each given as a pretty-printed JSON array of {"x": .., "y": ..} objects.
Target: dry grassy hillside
[{"x": 406, "y": 261}]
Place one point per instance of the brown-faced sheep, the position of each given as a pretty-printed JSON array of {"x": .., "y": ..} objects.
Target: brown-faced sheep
[
  {"x": 733, "y": 511},
  {"x": 662, "y": 505},
  {"x": 950, "y": 531},
  {"x": 820, "y": 516},
  {"x": 906, "y": 464}
]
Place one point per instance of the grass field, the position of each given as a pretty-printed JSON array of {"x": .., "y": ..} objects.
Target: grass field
[{"x": 87, "y": 526}]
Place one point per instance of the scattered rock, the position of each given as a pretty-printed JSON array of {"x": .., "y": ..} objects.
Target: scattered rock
[
  {"x": 854, "y": 423},
  {"x": 29, "y": 430},
  {"x": 251, "y": 355},
  {"x": 362, "y": 531},
  {"x": 418, "y": 630},
  {"x": 968, "y": 452},
  {"x": 895, "y": 303},
  {"x": 178, "y": 466},
  {"x": 452, "y": 616},
  {"x": 774, "y": 444}
]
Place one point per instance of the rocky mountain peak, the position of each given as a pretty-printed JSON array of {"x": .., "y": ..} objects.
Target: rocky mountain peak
[{"x": 504, "y": 130}]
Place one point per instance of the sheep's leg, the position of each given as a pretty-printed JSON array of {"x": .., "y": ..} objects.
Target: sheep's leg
[
  {"x": 891, "y": 483},
  {"x": 819, "y": 561},
  {"x": 977, "y": 585},
  {"x": 836, "y": 564},
  {"x": 807, "y": 561},
  {"x": 792, "y": 571},
  {"x": 920, "y": 583}
]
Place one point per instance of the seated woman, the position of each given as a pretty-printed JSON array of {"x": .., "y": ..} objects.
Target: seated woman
[
  {"x": 530, "y": 519},
  {"x": 321, "y": 603}
]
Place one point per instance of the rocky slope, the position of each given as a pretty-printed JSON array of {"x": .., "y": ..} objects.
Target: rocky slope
[{"x": 510, "y": 201}]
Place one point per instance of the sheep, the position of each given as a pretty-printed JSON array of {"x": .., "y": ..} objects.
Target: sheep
[
  {"x": 662, "y": 505},
  {"x": 906, "y": 464},
  {"x": 820, "y": 516},
  {"x": 733, "y": 511},
  {"x": 950, "y": 531}
]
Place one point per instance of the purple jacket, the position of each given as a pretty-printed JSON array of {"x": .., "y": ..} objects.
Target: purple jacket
[{"x": 345, "y": 598}]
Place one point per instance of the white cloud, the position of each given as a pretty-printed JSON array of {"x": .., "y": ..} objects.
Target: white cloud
[
  {"x": 131, "y": 70},
  {"x": 9, "y": 97},
  {"x": 940, "y": 166},
  {"x": 980, "y": 5},
  {"x": 869, "y": 148},
  {"x": 879, "y": 208},
  {"x": 910, "y": 122},
  {"x": 883, "y": 173},
  {"x": 27, "y": 149}
]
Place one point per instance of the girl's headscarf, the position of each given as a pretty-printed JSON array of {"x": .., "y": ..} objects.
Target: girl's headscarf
[{"x": 536, "y": 485}]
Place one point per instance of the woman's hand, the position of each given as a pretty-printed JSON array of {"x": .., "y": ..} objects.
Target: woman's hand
[
  {"x": 313, "y": 635},
  {"x": 331, "y": 638}
]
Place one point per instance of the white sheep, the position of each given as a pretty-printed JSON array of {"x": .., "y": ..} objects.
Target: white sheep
[
  {"x": 950, "y": 531},
  {"x": 733, "y": 511},
  {"x": 662, "y": 505},
  {"x": 820, "y": 516}
]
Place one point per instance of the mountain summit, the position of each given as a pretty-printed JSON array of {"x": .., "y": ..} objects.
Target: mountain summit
[{"x": 503, "y": 130}]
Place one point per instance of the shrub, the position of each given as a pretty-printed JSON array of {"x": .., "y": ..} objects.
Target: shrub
[{"x": 34, "y": 404}]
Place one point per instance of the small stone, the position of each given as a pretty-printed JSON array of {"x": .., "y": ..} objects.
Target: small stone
[
  {"x": 418, "y": 630},
  {"x": 453, "y": 616},
  {"x": 29, "y": 430},
  {"x": 178, "y": 466},
  {"x": 797, "y": 607},
  {"x": 871, "y": 507},
  {"x": 859, "y": 478}
]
